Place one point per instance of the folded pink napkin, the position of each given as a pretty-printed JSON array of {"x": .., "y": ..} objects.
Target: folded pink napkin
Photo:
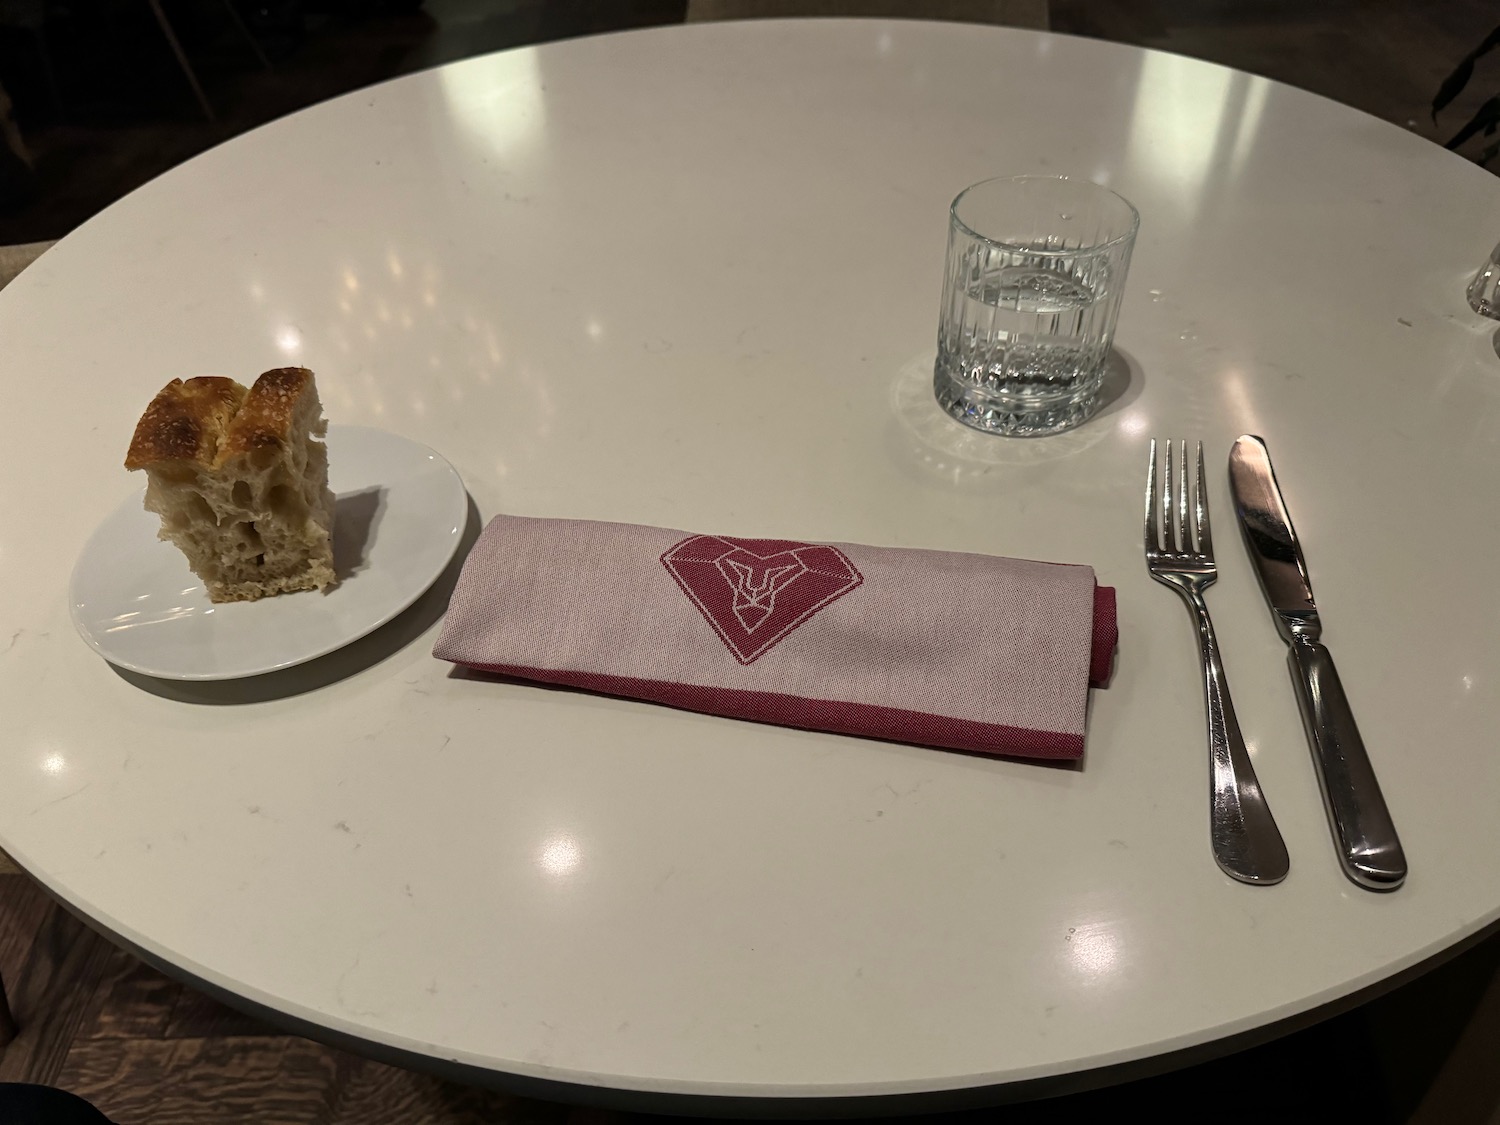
[{"x": 971, "y": 652}]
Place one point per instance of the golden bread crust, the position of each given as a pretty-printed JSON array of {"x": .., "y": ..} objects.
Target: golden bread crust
[
  {"x": 186, "y": 421},
  {"x": 240, "y": 481},
  {"x": 207, "y": 420},
  {"x": 265, "y": 417}
]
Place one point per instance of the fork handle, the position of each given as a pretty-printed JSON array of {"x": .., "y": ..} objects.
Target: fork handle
[
  {"x": 1246, "y": 842},
  {"x": 1362, "y": 825}
]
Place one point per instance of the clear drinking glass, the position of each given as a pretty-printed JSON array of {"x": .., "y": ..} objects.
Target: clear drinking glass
[
  {"x": 1484, "y": 290},
  {"x": 1036, "y": 269}
]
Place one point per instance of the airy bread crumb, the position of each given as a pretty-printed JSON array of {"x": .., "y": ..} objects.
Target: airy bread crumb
[{"x": 241, "y": 481}]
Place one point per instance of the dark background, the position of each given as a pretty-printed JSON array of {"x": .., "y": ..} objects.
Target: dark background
[{"x": 104, "y": 106}]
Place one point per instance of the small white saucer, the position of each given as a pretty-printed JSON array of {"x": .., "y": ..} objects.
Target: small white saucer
[{"x": 399, "y": 519}]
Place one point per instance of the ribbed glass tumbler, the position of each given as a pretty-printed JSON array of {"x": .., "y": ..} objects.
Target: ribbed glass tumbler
[{"x": 1031, "y": 292}]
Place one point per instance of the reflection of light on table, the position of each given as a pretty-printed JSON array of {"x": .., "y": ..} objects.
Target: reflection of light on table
[
  {"x": 559, "y": 856},
  {"x": 54, "y": 763},
  {"x": 1177, "y": 104},
  {"x": 1094, "y": 949},
  {"x": 497, "y": 100},
  {"x": 1247, "y": 420}
]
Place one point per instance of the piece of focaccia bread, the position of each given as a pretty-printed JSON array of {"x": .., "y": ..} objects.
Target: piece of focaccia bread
[{"x": 241, "y": 481}]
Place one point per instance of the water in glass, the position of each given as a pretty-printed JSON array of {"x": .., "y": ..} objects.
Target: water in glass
[{"x": 1026, "y": 324}]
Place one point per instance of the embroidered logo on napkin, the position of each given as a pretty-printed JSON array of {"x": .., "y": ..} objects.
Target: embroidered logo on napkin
[{"x": 754, "y": 592}]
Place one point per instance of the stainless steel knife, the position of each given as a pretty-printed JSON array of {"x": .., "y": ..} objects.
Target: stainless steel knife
[{"x": 1361, "y": 823}]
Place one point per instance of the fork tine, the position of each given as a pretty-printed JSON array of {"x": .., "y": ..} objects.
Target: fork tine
[
  {"x": 1168, "y": 523},
  {"x": 1153, "y": 541},
  {"x": 1184, "y": 536},
  {"x": 1205, "y": 540}
]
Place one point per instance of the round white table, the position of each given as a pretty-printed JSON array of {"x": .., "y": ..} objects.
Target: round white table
[{"x": 689, "y": 277}]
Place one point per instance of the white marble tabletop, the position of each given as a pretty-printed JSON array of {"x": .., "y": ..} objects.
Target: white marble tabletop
[{"x": 689, "y": 277}]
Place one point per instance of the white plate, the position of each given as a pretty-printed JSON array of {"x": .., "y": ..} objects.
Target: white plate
[{"x": 399, "y": 519}]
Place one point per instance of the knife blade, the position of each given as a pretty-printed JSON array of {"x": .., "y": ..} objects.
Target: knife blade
[{"x": 1362, "y": 827}]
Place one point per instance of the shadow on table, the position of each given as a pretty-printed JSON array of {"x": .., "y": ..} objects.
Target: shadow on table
[
  {"x": 356, "y": 516},
  {"x": 340, "y": 664}
]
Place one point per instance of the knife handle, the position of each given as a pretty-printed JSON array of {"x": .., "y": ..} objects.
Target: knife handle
[{"x": 1362, "y": 826}]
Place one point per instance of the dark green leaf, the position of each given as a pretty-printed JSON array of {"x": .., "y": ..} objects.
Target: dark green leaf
[
  {"x": 1488, "y": 114},
  {"x": 1453, "y": 85}
]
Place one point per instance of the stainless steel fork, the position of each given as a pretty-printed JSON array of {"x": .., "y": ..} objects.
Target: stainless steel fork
[{"x": 1246, "y": 841}]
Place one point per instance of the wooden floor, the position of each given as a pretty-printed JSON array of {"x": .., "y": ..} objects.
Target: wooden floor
[{"x": 149, "y": 1051}]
